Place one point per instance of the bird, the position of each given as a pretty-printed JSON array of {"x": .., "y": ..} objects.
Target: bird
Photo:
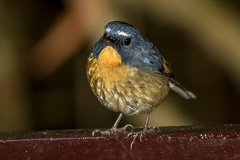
[{"x": 127, "y": 73}]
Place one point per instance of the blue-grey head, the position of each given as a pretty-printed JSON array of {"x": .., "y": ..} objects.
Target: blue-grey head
[{"x": 133, "y": 48}]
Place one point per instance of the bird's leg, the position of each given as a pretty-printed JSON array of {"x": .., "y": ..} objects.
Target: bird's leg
[
  {"x": 114, "y": 128},
  {"x": 136, "y": 134}
]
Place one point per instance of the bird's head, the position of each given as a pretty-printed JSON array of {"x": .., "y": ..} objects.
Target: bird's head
[{"x": 123, "y": 43}]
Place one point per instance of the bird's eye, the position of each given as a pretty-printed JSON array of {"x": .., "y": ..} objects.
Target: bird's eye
[{"x": 127, "y": 41}]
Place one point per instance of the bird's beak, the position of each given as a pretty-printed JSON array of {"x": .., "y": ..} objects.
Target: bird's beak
[
  {"x": 109, "y": 39},
  {"x": 106, "y": 40}
]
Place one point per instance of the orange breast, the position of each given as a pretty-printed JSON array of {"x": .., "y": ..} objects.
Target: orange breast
[{"x": 122, "y": 88}]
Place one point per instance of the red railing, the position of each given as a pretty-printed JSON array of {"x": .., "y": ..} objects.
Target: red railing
[{"x": 188, "y": 143}]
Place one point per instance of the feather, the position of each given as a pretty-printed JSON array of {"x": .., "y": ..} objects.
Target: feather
[
  {"x": 167, "y": 68},
  {"x": 182, "y": 91}
]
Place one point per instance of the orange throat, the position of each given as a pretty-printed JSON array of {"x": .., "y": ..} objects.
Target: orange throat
[{"x": 109, "y": 57}]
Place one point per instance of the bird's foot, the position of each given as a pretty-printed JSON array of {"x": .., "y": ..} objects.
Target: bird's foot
[
  {"x": 127, "y": 127},
  {"x": 112, "y": 131},
  {"x": 135, "y": 135},
  {"x": 98, "y": 132}
]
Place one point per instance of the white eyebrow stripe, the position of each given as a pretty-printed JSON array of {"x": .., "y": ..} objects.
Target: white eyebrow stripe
[
  {"x": 108, "y": 29},
  {"x": 123, "y": 33}
]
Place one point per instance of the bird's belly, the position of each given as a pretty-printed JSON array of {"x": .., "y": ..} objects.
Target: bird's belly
[{"x": 128, "y": 90}]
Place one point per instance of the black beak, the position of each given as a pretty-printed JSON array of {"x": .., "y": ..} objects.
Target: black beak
[{"x": 109, "y": 39}]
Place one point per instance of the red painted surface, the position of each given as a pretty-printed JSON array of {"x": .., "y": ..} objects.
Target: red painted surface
[{"x": 57, "y": 145}]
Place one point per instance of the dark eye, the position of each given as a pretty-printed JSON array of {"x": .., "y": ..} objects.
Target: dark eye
[{"x": 127, "y": 41}]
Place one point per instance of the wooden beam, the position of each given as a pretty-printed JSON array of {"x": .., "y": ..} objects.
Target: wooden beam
[{"x": 184, "y": 142}]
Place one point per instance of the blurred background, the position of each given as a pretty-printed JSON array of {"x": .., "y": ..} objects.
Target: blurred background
[{"x": 44, "y": 45}]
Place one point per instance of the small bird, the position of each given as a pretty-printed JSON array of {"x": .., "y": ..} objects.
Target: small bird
[{"x": 128, "y": 74}]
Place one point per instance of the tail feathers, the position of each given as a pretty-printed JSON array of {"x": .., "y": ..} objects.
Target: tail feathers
[{"x": 182, "y": 91}]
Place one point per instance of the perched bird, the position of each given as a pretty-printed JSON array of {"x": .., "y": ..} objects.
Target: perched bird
[{"x": 128, "y": 74}]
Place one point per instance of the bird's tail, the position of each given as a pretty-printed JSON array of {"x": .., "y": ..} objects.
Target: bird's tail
[{"x": 182, "y": 91}]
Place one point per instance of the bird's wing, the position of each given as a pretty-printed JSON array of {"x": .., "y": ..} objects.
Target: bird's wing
[
  {"x": 174, "y": 85},
  {"x": 167, "y": 68}
]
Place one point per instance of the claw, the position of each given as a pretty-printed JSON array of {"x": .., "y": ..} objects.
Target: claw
[
  {"x": 141, "y": 137},
  {"x": 108, "y": 132},
  {"x": 113, "y": 130},
  {"x": 135, "y": 135},
  {"x": 128, "y": 127},
  {"x": 97, "y": 132},
  {"x": 133, "y": 141}
]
